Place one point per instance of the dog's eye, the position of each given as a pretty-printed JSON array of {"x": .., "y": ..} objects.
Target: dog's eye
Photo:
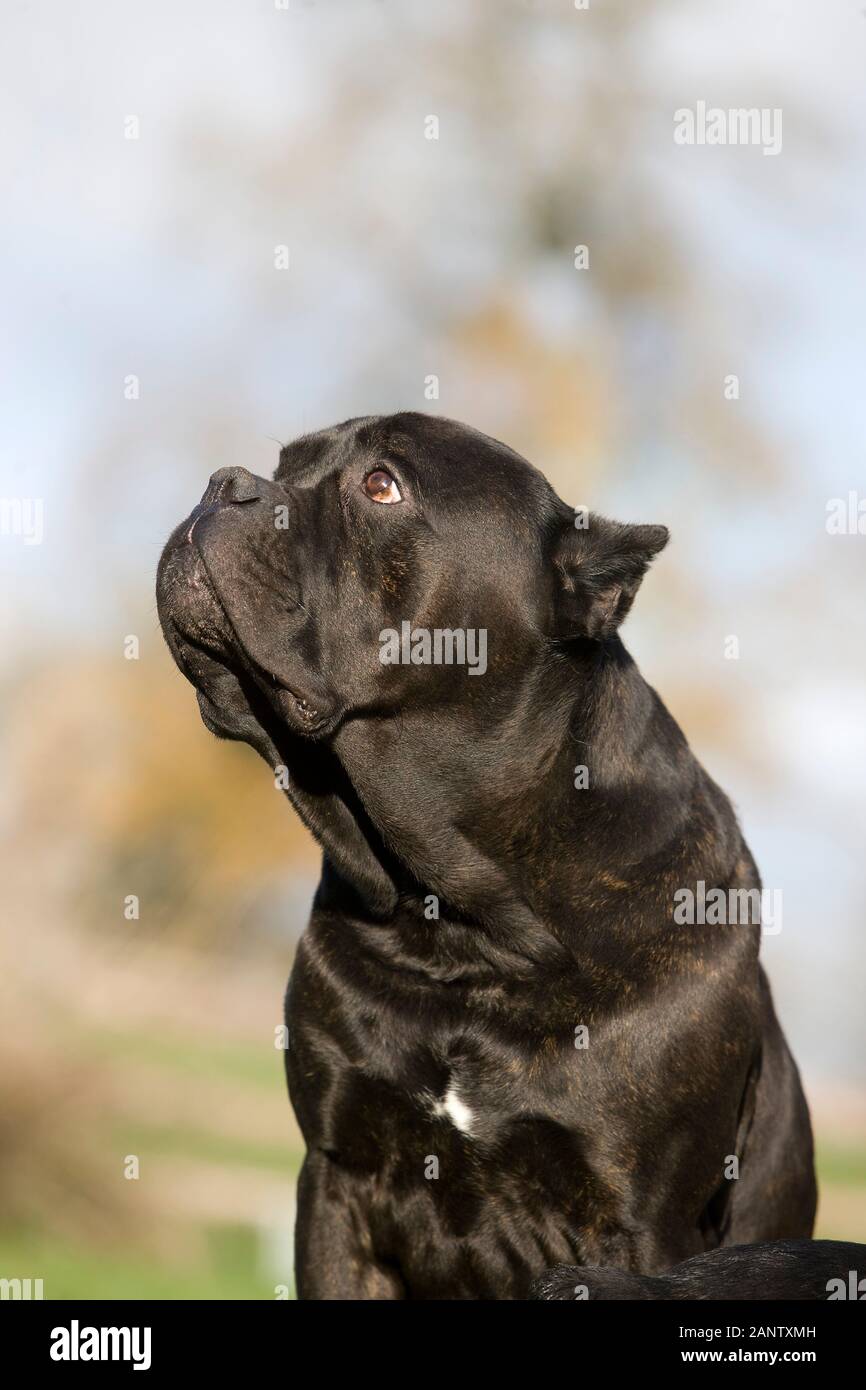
[{"x": 381, "y": 487}]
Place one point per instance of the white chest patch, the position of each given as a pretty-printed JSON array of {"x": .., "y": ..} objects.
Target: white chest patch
[{"x": 459, "y": 1114}]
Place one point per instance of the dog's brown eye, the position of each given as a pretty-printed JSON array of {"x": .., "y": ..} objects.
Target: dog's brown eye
[{"x": 381, "y": 487}]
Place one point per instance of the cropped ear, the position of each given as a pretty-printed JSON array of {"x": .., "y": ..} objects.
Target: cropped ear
[{"x": 598, "y": 569}]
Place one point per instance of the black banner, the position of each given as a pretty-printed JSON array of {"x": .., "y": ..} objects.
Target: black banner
[{"x": 160, "y": 1339}]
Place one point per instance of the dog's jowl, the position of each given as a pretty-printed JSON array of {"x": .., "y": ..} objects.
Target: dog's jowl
[{"x": 507, "y": 1052}]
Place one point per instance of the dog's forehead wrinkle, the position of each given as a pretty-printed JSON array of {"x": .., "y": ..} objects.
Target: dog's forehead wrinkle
[
  {"x": 313, "y": 456},
  {"x": 399, "y": 444}
]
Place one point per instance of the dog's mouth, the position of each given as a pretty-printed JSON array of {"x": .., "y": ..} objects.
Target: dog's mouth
[{"x": 234, "y": 686}]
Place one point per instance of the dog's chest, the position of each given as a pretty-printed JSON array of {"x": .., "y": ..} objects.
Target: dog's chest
[
  {"x": 472, "y": 1103},
  {"x": 477, "y": 1168},
  {"x": 433, "y": 1074}
]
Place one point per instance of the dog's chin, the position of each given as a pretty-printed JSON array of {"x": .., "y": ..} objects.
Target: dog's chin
[{"x": 237, "y": 701}]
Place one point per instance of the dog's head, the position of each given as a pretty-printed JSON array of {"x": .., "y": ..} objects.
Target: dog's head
[{"x": 390, "y": 560}]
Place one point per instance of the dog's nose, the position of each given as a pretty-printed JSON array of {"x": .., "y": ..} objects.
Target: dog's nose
[
  {"x": 232, "y": 485},
  {"x": 226, "y": 486}
]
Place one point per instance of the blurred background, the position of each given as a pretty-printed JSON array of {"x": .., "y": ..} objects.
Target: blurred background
[{"x": 229, "y": 223}]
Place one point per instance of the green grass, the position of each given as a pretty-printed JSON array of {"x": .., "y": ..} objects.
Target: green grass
[
  {"x": 229, "y": 1270},
  {"x": 254, "y": 1064},
  {"x": 217, "y": 1260},
  {"x": 845, "y": 1167},
  {"x": 174, "y": 1141}
]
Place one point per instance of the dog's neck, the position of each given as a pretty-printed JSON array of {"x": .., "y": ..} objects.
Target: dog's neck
[{"x": 514, "y": 816}]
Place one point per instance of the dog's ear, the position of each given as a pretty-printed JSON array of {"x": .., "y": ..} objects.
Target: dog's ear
[{"x": 598, "y": 567}]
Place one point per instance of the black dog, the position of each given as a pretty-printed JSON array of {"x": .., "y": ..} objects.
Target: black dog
[{"x": 506, "y": 1053}]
